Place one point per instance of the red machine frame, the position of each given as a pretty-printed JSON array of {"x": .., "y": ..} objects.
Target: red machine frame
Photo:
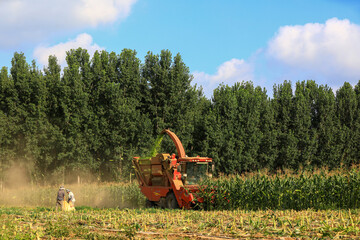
[{"x": 161, "y": 180}]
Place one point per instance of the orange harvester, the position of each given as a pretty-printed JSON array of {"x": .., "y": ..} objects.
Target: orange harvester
[{"x": 171, "y": 181}]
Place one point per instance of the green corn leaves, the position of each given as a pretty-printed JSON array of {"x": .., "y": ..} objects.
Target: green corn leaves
[{"x": 324, "y": 190}]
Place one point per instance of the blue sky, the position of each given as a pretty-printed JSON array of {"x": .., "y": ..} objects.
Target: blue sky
[{"x": 228, "y": 41}]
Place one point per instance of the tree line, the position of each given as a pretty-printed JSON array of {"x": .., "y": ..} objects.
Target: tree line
[{"x": 98, "y": 112}]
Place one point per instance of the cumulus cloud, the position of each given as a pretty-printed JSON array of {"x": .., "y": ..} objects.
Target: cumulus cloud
[
  {"x": 24, "y": 20},
  {"x": 331, "y": 50},
  {"x": 234, "y": 70},
  {"x": 83, "y": 40}
]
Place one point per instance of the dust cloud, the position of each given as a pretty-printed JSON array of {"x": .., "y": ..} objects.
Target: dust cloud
[
  {"x": 16, "y": 177},
  {"x": 93, "y": 195},
  {"x": 17, "y": 190}
]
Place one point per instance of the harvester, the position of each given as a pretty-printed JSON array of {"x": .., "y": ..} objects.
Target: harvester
[{"x": 170, "y": 181}]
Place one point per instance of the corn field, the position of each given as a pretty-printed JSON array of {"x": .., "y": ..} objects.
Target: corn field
[
  {"x": 319, "y": 190},
  {"x": 254, "y": 206},
  {"x": 90, "y": 223}
]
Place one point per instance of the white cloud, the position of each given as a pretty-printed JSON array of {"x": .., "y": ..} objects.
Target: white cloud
[
  {"x": 83, "y": 40},
  {"x": 24, "y": 20},
  {"x": 330, "y": 50},
  {"x": 234, "y": 70},
  {"x": 328, "y": 53}
]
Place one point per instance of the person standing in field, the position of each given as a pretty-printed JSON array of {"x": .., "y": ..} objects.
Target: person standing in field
[
  {"x": 71, "y": 198},
  {"x": 60, "y": 197}
]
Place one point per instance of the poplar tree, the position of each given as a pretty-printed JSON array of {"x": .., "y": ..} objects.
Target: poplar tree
[
  {"x": 76, "y": 147},
  {"x": 346, "y": 106},
  {"x": 302, "y": 125},
  {"x": 328, "y": 129},
  {"x": 286, "y": 140},
  {"x": 172, "y": 99}
]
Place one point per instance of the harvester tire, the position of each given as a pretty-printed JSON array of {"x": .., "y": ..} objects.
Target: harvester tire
[
  {"x": 171, "y": 201},
  {"x": 149, "y": 204}
]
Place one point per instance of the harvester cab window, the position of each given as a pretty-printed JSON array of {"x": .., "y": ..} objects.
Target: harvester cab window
[{"x": 195, "y": 171}]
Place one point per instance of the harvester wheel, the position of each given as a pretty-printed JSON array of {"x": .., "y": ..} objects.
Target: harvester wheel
[
  {"x": 149, "y": 204},
  {"x": 171, "y": 201}
]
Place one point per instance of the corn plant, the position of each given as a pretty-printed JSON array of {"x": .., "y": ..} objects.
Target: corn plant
[{"x": 321, "y": 190}]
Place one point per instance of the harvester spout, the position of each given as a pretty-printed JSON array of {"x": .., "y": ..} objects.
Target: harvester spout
[{"x": 179, "y": 147}]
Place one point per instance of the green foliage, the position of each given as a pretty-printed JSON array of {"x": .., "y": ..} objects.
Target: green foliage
[
  {"x": 322, "y": 190},
  {"x": 239, "y": 129},
  {"x": 155, "y": 149},
  {"x": 97, "y": 113}
]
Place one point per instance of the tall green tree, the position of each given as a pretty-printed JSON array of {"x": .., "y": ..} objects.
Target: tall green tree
[
  {"x": 8, "y": 130},
  {"x": 267, "y": 151},
  {"x": 355, "y": 152},
  {"x": 282, "y": 104},
  {"x": 239, "y": 128},
  {"x": 172, "y": 100},
  {"x": 75, "y": 98},
  {"x": 302, "y": 124},
  {"x": 225, "y": 137},
  {"x": 346, "y": 106},
  {"x": 326, "y": 122}
]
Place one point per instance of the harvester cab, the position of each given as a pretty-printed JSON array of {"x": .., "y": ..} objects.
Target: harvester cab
[{"x": 171, "y": 181}]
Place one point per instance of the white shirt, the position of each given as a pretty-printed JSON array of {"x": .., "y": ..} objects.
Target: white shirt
[{"x": 71, "y": 197}]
